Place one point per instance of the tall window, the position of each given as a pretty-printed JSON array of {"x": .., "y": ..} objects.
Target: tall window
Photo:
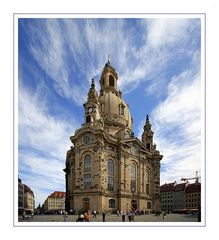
[
  {"x": 87, "y": 171},
  {"x": 111, "y": 81},
  {"x": 87, "y": 163},
  {"x": 147, "y": 181},
  {"x": 110, "y": 175},
  {"x": 112, "y": 203},
  {"x": 133, "y": 177},
  {"x": 87, "y": 181},
  {"x": 88, "y": 119},
  {"x": 121, "y": 109}
]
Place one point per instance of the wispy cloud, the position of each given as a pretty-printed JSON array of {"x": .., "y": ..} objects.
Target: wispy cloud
[
  {"x": 177, "y": 126},
  {"x": 88, "y": 41},
  {"x": 43, "y": 141}
]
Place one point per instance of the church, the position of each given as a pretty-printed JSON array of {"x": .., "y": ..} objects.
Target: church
[{"x": 107, "y": 167}]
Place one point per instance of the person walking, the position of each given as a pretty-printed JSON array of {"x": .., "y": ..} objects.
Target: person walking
[
  {"x": 24, "y": 215},
  {"x": 94, "y": 214},
  {"x": 103, "y": 215},
  {"x": 123, "y": 216},
  {"x": 65, "y": 216},
  {"x": 32, "y": 213},
  {"x": 86, "y": 217},
  {"x": 129, "y": 216}
]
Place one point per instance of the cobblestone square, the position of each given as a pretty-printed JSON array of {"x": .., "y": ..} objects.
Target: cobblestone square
[{"x": 113, "y": 218}]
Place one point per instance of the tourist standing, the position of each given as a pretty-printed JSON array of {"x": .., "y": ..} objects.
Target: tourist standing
[{"x": 103, "y": 215}]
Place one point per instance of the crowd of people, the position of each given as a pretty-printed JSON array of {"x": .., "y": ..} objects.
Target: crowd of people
[{"x": 85, "y": 216}]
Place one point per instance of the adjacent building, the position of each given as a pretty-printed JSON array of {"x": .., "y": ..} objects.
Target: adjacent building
[
  {"x": 29, "y": 199},
  {"x": 107, "y": 167},
  {"x": 20, "y": 196},
  {"x": 193, "y": 196},
  {"x": 181, "y": 197},
  {"x": 167, "y": 193},
  {"x": 55, "y": 202}
]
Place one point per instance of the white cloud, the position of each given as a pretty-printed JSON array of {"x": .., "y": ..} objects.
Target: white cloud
[
  {"x": 38, "y": 129},
  {"x": 166, "y": 31},
  {"x": 177, "y": 127},
  {"x": 177, "y": 124},
  {"x": 86, "y": 43},
  {"x": 43, "y": 141}
]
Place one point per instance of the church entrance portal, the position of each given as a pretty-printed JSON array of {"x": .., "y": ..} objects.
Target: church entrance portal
[{"x": 134, "y": 204}]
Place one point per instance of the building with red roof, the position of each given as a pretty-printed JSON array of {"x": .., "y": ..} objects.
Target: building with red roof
[
  {"x": 180, "y": 197},
  {"x": 55, "y": 202},
  {"x": 193, "y": 196}
]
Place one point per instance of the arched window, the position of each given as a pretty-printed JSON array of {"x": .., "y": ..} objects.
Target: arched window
[
  {"x": 110, "y": 175},
  {"x": 88, "y": 119},
  {"x": 121, "y": 109},
  {"x": 87, "y": 163},
  {"x": 87, "y": 171},
  {"x": 148, "y": 205},
  {"x": 147, "y": 181},
  {"x": 111, "y": 81},
  {"x": 133, "y": 177},
  {"x": 127, "y": 134},
  {"x": 148, "y": 146},
  {"x": 112, "y": 203}
]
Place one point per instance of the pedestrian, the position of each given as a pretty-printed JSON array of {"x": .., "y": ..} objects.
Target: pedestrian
[
  {"x": 133, "y": 216},
  {"x": 164, "y": 214},
  {"x": 80, "y": 218},
  {"x": 94, "y": 214},
  {"x": 24, "y": 215},
  {"x": 65, "y": 216},
  {"x": 199, "y": 215},
  {"x": 86, "y": 217},
  {"x": 32, "y": 213},
  {"x": 103, "y": 215},
  {"x": 129, "y": 216},
  {"x": 123, "y": 216},
  {"x": 117, "y": 213}
]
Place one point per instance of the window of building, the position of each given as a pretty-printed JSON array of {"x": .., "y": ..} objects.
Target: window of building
[
  {"x": 133, "y": 177},
  {"x": 87, "y": 181},
  {"x": 121, "y": 109},
  {"x": 127, "y": 134},
  {"x": 87, "y": 163},
  {"x": 110, "y": 175},
  {"x": 88, "y": 119},
  {"x": 147, "y": 181},
  {"x": 147, "y": 189},
  {"x": 87, "y": 171},
  {"x": 112, "y": 203},
  {"x": 111, "y": 81},
  {"x": 149, "y": 205},
  {"x": 86, "y": 139},
  {"x": 148, "y": 146}
]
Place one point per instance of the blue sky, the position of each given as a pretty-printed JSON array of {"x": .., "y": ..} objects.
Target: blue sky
[{"x": 158, "y": 62}]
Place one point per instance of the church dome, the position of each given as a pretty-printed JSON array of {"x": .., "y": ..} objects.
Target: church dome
[{"x": 114, "y": 110}]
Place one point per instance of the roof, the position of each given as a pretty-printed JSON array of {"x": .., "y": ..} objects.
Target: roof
[
  {"x": 57, "y": 194},
  {"x": 27, "y": 189},
  {"x": 180, "y": 187},
  {"x": 167, "y": 187},
  {"x": 193, "y": 187}
]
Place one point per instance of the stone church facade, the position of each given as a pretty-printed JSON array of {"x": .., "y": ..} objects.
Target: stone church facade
[{"x": 108, "y": 168}]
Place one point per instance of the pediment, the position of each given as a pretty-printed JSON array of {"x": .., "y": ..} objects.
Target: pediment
[{"x": 135, "y": 142}]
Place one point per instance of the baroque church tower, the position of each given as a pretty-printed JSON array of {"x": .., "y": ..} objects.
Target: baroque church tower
[{"x": 107, "y": 167}]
